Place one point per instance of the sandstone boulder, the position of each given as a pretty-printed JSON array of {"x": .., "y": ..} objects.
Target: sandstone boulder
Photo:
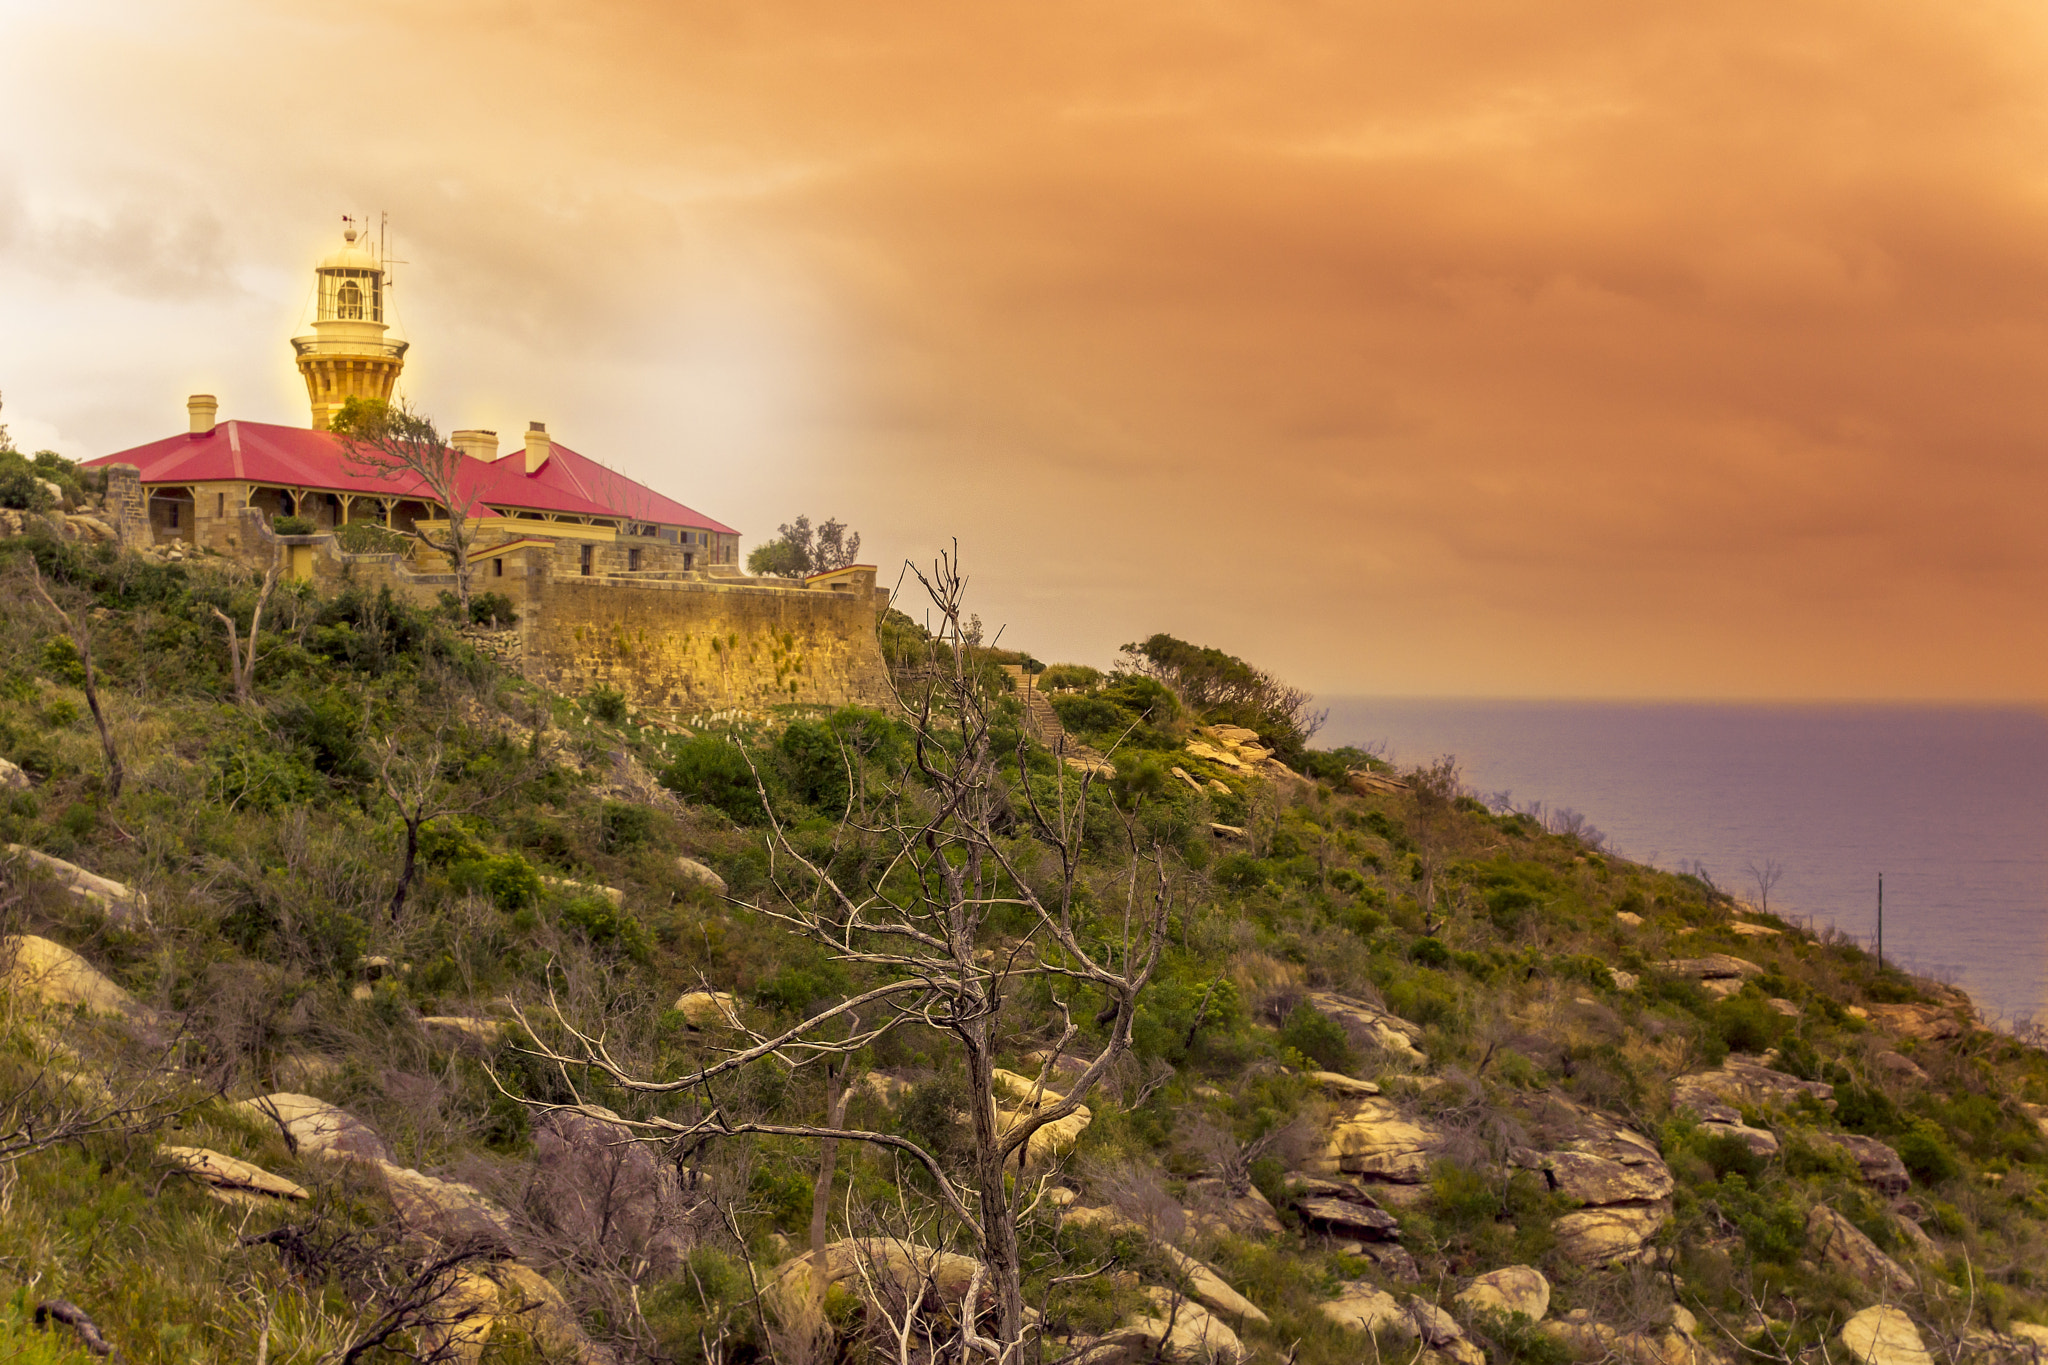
[
  {"x": 1218, "y": 1208},
  {"x": 229, "y": 1173},
  {"x": 1373, "y": 1027},
  {"x": 1839, "y": 1242},
  {"x": 483, "y": 1032},
  {"x": 1590, "y": 1340},
  {"x": 1440, "y": 1332},
  {"x": 1747, "y": 930},
  {"x": 506, "y": 1292},
  {"x": 12, "y": 777},
  {"x": 1178, "y": 1330},
  {"x": 1592, "y": 1179},
  {"x": 1028, "y": 1099},
  {"x": 707, "y": 1009},
  {"x": 1507, "y": 1291},
  {"x": 699, "y": 874},
  {"x": 610, "y": 893},
  {"x": 1367, "y": 1308},
  {"x": 39, "y": 969},
  {"x": 891, "y": 1260},
  {"x": 121, "y": 902},
  {"x": 1343, "y": 1218},
  {"x": 1901, "y": 1067},
  {"x": 1712, "y": 967},
  {"x": 317, "y": 1127},
  {"x": 1930, "y": 1023},
  {"x": 1880, "y": 1165},
  {"x": 1628, "y": 919},
  {"x": 1338, "y": 1084},
  {"x": 1375, "y": 1139},
  {"x": 1615, "y": 1232},
  {"x": 1744, "y": 1081},
  {"x": 446, "y": 1210},
  {"x": 1884, "y": 1335}
]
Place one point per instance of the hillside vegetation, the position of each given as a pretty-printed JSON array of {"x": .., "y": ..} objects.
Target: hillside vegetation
[{"x": 362, "y": 1055}]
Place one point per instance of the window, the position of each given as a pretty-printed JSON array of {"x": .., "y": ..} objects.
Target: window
[
  {"x": 498, "y": 567},
  {"x": 587, "y": 557},
  {"x": 349, "y": 302},
  {"x": 220, "y": 504},
  {"x": 689, "y": 560},
  {"x": 633, "y": 560},
  {"x": 174, "y": 514}
]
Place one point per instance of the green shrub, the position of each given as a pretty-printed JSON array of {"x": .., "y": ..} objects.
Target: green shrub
[
  {"x": 294, "y": 526},
  {"x": 62, "y": 661},
  {"x": 1241, "y": 872},
  {"x": 1927, "y": 1155},
  {"x": 799, "y": 986},
  {"x": 21, "y": 484},
  {"x": 1430, "y": 952},
  {"x": 508, "y": 880},
  {"x": 368, "y": 538},
  {"x": 606, "y": 704},
  {"x": 1747, "y": 1023},
  {"x": 607, "y": 926},
  {"x": 622, "y": 827},
  {"x": 1318, "y": 1037},
  {"x": 814, "y": 765},
  {"x": 1058, "y": 676},
  {"x": 492, "y": 609},
  {"x": 713, "y": 772}
]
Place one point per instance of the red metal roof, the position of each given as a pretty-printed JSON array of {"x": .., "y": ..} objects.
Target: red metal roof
[
  {"x": 301, "y": 458},
  {"x": 567, "y": 475}
]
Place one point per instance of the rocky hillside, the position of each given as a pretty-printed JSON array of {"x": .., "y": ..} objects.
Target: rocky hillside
[{"x": 336, "y": 1024}]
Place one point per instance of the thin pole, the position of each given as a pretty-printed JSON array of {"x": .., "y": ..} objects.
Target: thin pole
[{"x": 1880, "y": 921}]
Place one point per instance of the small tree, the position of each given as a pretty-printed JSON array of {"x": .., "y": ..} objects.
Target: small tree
[
  {"x": 799, "y": 549},
  {"x": 1763, "y": 879},
  {"x": 81, "y": 640},
  {"x": 961, "y": 851},
  {"x": 394, "y": 443}
]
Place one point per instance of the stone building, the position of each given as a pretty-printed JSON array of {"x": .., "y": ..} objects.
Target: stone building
[{"x": 674, "y": 621}]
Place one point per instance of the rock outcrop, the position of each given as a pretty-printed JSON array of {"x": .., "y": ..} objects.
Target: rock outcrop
[
  {"x": 1374, "y": 1029},
  {"x": 707, "y": 1009},
  {"x": 1743, "y": 1081},
  {"x": 698, "y": 874},
  {"x": 1879, "y": 1165},
  {"x": 1440, "y": 1332},
  {"x": 446, "y": 1210},
  {"x": 1027, "y": 1099},
  {"x": 1614, "y": 1172},
  {"x": 40, "y": 969},
  {"x": 1718, "y": 973},
  {"x": 229, "y": 1174},
  {"x": 1929, "y": 1023},
  {"x": 1837, "y": 1241},
  {"x": 1374, "y": 1139},
  {"x": 122, "y": 903},
  {"x": 1507, "y": 1291},
  {"x": 316, "y": 1127},
  {"x": 1884, "y": 1335},
  {"x": 1365, "y": 1307}
]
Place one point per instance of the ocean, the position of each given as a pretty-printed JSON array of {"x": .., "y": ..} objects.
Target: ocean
[{"x": 1949, "y": 803}]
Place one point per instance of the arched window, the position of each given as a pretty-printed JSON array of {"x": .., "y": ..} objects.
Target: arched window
[{"x": 349, "y": 302}]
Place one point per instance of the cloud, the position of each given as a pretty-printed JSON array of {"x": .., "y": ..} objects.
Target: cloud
[{"x": 1590, "y": 349}]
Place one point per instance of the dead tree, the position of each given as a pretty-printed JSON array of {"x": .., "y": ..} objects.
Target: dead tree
[
  {"x": 404, "y": 448},
  {"x": 920, "y": 929},
  {"x": 81, "y": 640},
  {"x": 242, "y": 662}
]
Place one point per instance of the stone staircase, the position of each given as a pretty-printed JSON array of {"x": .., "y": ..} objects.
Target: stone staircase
[{"x": 1042, "y": 723}]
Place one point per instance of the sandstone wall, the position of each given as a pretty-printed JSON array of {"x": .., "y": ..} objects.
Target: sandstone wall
[{"x": 701, "y": 645}]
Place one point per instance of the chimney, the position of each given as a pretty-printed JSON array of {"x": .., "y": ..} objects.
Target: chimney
[
  {"x": 201, "y": 407},
  {"x": 538, "y": 446},
  {"x": 478, "y": 445}
]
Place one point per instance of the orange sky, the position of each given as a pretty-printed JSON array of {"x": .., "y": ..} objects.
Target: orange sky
[{"x": 1573, "y": 349}]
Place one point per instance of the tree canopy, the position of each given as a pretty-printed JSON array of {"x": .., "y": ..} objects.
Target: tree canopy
[{"x": 800, "y": 549}]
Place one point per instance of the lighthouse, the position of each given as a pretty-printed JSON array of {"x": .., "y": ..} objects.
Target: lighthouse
[{"x": 348, "y": 355}]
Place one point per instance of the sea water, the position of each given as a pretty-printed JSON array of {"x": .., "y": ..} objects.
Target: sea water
[{"x": 1948, "y": 803}]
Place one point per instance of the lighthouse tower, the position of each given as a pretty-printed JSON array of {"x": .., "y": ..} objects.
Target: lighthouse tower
[{"x": 348, "y": 355}]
